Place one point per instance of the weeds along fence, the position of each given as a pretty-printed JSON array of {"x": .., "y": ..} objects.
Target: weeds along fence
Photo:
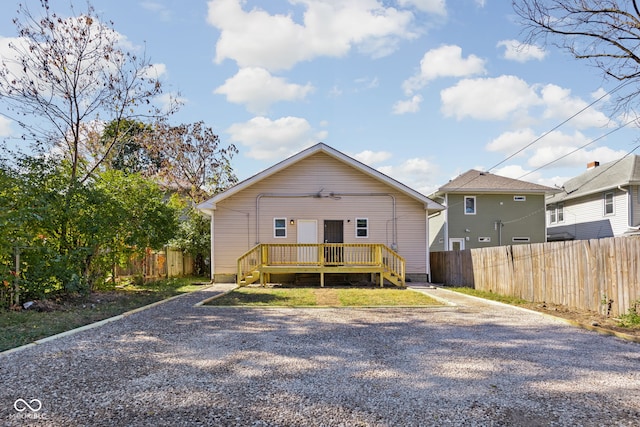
[{"x": 600, "y": 275}]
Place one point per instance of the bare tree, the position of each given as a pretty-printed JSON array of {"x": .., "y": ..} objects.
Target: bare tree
[
  {"x": 193, "y": 159},
  {"x": 67, "y": 76},
  {"x": 604, "y": 32}
]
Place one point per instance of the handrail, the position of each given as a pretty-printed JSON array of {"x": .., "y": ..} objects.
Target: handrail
[{"x": 320, "y": 255}]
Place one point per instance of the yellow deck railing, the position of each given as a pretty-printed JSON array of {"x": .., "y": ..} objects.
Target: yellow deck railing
[{"x": 267, "y": 258}]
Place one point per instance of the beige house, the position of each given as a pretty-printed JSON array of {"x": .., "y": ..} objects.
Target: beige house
[{"x": 319, "y": 211}]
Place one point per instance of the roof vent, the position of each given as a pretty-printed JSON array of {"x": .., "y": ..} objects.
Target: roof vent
[{"x": 593, "y": 165}]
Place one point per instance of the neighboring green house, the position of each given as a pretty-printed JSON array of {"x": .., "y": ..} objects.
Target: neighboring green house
[{"x": 483, "y": 209}]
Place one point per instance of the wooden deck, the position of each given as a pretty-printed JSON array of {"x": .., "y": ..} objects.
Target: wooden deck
[{"x": 274, "y": 258}]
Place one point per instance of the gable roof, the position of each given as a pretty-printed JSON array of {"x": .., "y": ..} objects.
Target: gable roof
[
  {"x": 429, "y": 204},
  {"x": 625, "y": 171},
  {"x": 474, "y": 181}
]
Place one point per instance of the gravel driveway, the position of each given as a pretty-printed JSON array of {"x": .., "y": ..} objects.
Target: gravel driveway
[{"x": 474, "y": 364}]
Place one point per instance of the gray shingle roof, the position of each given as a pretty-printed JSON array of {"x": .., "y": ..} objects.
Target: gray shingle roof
[
  {"x": 625, "y": 171},
  {"x": 474, "y": 181}
]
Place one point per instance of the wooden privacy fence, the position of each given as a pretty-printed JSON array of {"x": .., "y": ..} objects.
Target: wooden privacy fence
[
  {"x": 157, "y": 264},
  {"x": 601, "y": 275}
]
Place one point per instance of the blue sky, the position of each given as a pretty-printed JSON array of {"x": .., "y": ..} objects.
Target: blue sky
[{"x": 422, "y": 90}]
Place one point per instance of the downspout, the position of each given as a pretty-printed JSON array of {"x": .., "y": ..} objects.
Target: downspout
[
  {"x": 446, "y": 222},
  {"x": 629, "y": 207},
  {"x": 394, "y": 229},
  {"x": 428, "y": 251},
  {"x": 213, "y": 248}
]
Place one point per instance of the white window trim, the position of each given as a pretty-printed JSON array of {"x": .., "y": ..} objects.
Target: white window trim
[
  {"x": 475, "y": 206},
  {"x": 559, "y": 208},
  {"x": 553, "y": 215},
  {"x": 519, "y": 198},
  {"x": 366, "y": 228},
  {"x": 275, "y": 228},
  {"x": 604, "y": 203}
]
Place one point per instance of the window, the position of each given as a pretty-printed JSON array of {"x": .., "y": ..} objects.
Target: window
[
  {"x": 519, "y": 198},
  {"x": 560, "y": 212},
  {"x": 484, "y": 239},
  {"x": 280, "y": 227},
  {"x": 520, "y": 239},
  {"x": 469, "y": 205},
  {"x": 608, "y": 203},
  {"x": 556, "y": 213},
  {"x": 362, "y": 227}
]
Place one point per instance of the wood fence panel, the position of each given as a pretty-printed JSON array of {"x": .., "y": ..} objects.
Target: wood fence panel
[{"x": 587, "y": 275}]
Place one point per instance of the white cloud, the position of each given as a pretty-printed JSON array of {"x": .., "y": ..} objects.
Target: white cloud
[
  {"x": 488, "y": 98},
  {"x": 521, "y": 52},
  {"x": 437, "y": 7},
  {"x": 5, "y": 126},
  {"x": 329, "y": 28},
  {"x": 168, "y": 100},
  {"x": 515, "y": 172},
  {"x": 159, "y": 9},
  {"x": 269, "y": 139},
  {"x": 445, "y": 61},
  {"x": 258, "y": 89},
  {"x": 154, "y": 71},
  {"x": 560, "y": 106},
  {"x": 417, "y": 173},
  {"x": 580, "y": 158},
  {"x": 601, "y": 93},
  {"x": 512, "y": 141},
  {"x": 369, "y": 157},
  {"x": 409, "y": 106}
]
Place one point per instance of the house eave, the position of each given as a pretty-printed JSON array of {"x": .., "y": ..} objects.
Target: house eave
[{"x": 430, "y": 205}]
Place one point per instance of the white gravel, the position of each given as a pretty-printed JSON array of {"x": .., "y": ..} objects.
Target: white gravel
[{"x": 475, "y": 364}]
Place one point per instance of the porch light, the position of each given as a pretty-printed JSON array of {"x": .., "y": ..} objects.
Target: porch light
[{"x": 292, "y": 222}]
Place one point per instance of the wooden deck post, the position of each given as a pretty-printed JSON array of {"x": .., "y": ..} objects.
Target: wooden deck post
[{"x": 322, "y": 279}]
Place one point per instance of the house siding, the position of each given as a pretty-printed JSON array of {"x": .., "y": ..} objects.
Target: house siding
[
  {"x": 519, "y": 219},
  {"x": 291, "y": 194},
  {"x": 592, "y": 222},
  {"x": 437, "y": 232},
  {"x": 635, "y": 205}
]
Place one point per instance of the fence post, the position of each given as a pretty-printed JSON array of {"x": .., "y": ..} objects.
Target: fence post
[{"x": 16, "y": 280}]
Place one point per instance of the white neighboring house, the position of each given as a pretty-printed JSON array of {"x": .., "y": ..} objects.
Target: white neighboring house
[{"x": 602, "y": 202}]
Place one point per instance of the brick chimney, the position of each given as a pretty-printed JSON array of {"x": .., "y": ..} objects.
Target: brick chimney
[{"x": 593, "y": 165}]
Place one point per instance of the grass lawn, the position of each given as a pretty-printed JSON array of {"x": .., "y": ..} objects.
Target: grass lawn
[
  {"x": 323, "y": 297},
  {"x": 26, "y": 326}
]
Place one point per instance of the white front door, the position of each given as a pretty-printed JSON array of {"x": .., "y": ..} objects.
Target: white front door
[
  {"x": 456, "y": 244},
  {"x": 307, "y": 233}
]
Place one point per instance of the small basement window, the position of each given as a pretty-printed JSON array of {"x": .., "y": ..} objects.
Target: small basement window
[
  {"x": 519, "y": 198},
  {"x": 362, "y": 227},
  {"x": 520, "y": 239},
  {"x": 484, "y": 239},
  {"x": 280, "y": 227}
]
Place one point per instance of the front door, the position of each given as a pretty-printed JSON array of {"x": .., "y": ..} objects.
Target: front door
[
  {"x": 307, "y": 233},
  {"x": 333, "y": 233}
]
